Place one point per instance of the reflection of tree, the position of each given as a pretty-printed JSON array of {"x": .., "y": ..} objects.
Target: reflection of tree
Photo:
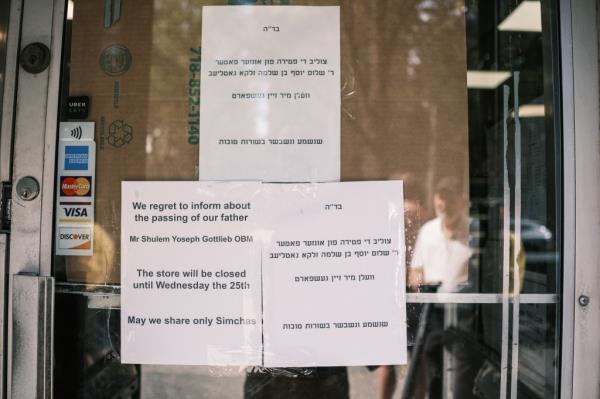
[
  {"x": 258, "y": 2},
  {"x": 404, "y": 99},
  {"x": 410, "y": 107},
  {"x": 177, "y": 27}
]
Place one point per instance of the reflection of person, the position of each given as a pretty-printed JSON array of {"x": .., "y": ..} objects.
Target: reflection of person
[
  {"x": 440, "y": 259},
  {"x": 414, "y": 214},
  {"x": 386, "y": 382},
  {"x": 441, "y": 252}
]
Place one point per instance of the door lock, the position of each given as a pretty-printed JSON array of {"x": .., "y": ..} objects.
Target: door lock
[
  {"x": 28, "y": 188},
  {"x": 35, "y": 57}
]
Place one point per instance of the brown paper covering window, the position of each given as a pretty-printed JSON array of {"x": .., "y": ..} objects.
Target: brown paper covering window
[{"x": 404, "y": 101}]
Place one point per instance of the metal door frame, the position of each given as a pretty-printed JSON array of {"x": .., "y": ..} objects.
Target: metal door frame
[
  {"x": 581, "y": 142},
  {"x": 10, "y": 41},
  {"x": 32, "y": 114},
  {"x": 30, "y": 110}
]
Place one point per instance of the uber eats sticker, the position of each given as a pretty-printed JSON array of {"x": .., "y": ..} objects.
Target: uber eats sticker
[{"x": 75, "y": 189}]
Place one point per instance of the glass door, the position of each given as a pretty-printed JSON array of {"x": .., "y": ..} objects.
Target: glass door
[{"x": 460, "y": 99}]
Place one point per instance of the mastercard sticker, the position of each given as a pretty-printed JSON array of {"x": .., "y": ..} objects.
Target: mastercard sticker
[{"x": 76, "y": 186}]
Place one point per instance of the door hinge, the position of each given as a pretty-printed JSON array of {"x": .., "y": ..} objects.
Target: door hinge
[{"x": 5, "y": 206}]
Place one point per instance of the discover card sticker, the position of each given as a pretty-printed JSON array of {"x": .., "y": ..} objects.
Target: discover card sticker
[
  {"x": 270, "y": 93},
  {"x": 294, "y": 275}
]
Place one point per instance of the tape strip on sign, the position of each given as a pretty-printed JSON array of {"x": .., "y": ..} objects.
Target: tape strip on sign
[
  {"x": 75, "y": 178},
  {"x": 272, "y": 275}
]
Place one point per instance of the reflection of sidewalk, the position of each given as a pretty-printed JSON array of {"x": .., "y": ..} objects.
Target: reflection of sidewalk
[
  {"x": 363, "y": 383},
  {"x": 187, "y": 382},
  {"x": 200, "y": 382}
]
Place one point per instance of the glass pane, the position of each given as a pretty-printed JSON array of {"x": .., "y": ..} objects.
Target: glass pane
[
  {"x": 457, "y": 98},
  {"x": 538, "y": 354}
]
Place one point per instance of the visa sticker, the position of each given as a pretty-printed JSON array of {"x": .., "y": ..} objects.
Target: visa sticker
[{"x": 75, "y": 212}]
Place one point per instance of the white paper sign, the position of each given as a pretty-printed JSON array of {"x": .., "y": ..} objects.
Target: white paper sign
[
  {"x": 333, "y": 275},
  {"x": 270, "y": 93},
  {"x": 190, "y": 274},
  {"x": 293, "y": 275}
]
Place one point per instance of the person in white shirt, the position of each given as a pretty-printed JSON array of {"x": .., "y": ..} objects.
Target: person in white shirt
[
  {"x": 441, "y": 252},
  {"x": 440, "y": 260}
]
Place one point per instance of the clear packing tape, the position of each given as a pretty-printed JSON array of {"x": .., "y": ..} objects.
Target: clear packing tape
[{"x": 237, "y": 274}]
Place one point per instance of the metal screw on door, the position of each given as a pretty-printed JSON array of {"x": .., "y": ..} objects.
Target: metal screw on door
[
  {"x": 28, "y": 188},
  {"x": 584, "y": 300},
  {"x": 35, "y": 57}
]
